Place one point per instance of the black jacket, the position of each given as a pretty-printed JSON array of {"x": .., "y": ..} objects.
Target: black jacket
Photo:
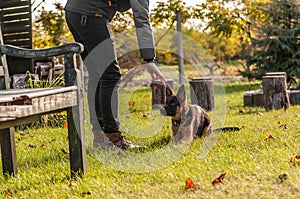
[{"x": 140, "y": 9}]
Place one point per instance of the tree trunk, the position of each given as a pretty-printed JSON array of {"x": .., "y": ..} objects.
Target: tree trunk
[
  {"x": 202, "y": 92},
  {"x": 275, "y": 92},
  {"x": 159, "y": 93}
]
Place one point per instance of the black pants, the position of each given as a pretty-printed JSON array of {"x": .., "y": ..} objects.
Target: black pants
[{"x": 104, "y": 73}]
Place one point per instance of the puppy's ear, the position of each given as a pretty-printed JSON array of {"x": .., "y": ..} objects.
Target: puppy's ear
[
  {"x": 181, "y": 95},
  {"x": 169, "y": 92}
]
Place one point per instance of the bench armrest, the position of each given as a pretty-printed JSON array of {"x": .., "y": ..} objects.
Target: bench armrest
[{"x": 40, "y": 53}]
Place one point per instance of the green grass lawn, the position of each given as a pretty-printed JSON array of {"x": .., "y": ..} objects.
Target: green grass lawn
[{"x": 252, "y": 163}]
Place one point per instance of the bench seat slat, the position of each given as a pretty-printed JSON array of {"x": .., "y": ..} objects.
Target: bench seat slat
[
  {"x": 7, "y": 95},
  {"x": 41, "y": 104}
]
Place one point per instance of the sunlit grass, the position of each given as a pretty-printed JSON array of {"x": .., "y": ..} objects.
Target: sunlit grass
[{"x": 252, "y": 164}]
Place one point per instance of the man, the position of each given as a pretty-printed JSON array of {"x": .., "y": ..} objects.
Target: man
[{"x": 88, "y": 20}]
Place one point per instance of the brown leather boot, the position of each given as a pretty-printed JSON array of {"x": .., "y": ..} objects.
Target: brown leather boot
[
  {"x": 100, "y": 140},
  {"x": 119, "y": 141}
]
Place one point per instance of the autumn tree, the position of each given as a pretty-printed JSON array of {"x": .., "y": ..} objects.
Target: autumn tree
[
  {"x": 50, "y": 28},
  {"x": 276, "y": 47}
]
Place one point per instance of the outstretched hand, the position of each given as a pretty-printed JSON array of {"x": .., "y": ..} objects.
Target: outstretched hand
[{"x": 155, "y": 73}]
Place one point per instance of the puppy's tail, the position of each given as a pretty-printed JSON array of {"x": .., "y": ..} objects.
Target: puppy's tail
[{"x": 227, "y": 129}]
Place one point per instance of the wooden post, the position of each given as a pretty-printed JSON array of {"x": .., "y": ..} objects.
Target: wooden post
[
  {"x": 275, "y": 92},
  {"x": 202, "y": 92},
  {"x": 159, "y": 92},
  {"x": 179, "y": 47},
  {"x": 75, "y": 118},
  {"x": 8, "y": 151}
]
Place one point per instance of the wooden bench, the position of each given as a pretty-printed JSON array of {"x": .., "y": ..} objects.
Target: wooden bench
[{"x": 22, "y": 106}]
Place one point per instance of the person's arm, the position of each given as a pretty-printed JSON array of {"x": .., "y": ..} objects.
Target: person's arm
[{"x": 140, "y": 9}]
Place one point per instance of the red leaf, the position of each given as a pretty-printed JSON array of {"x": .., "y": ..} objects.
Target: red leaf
[
  {"x": 270, "y": 137},
  {"x": 189, "y": 184},
  {"x": 277, "y": 116},
  {"x": 219, "y": 179},
  {"x": 65, "y": 124}
]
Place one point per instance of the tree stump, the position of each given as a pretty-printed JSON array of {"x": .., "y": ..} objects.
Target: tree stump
[
  {"x": 159, "y": 93},
  {"x": 294, "y": 97},
  {"x": 276, "y": 74},
  {"x": 202, "y": 92},
  {"x": 275, "y": 92},
  {"x": 254, "y": 98}
]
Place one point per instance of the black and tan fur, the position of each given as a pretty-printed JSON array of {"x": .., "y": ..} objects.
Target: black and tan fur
[{"x": 188, "y": 121}]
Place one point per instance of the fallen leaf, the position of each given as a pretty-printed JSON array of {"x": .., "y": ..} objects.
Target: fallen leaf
[
  {"x": 86, "y": 193},
  {"x": 241, "y": 111},
  {"x": 260, "y": 113},
  {"x": 32, "y": 146},
  {"x": 53, "y": 140},
  {"x": 270, "y": 137},
  {"x": 72, "y": 183},
  {"x": 65, "y": 124},
  {"x": 283, "y": 177},
  {"x": 22, "y": 133},
  {"x": 277, "y": 116},
  {"x": 284, "y": 126},
  {"x": 219, "y": 179},
  {"x": 7, "y": 193},
  {"x": 189, "y": 184},
  {"x": 297, "y": 159},
  {"x": 297, "y": 115},
  {"x": 43, "y": 146},
  {"x": 65, "y": 152}
]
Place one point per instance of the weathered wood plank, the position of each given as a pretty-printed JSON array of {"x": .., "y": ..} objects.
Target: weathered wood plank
[
  {"x": 8, "y": 151},
  {"x": 40, "y": 105},
  {"x": 8, "y": 95},
  {"x": 41, "y": 53},
  {"x": 14, "y": 3},
  {"x": 18, "y": 121},
  {"x": 45, "y": 101},
  {"x": 75, "y": 117}
]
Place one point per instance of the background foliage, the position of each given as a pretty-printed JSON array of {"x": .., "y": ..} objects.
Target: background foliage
[{"x": 260, "y": 35}]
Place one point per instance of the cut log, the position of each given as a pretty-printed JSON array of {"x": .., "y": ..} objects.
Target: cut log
[
  {"x": 254, "y": 98},
  {"x": 202, "y": 92},
  {"x": 159, "y": 92},
  {"x": 276, "y": 74},
  {"x": 275, "y": 92}
]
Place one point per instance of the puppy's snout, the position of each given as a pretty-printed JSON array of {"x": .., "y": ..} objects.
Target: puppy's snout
[{"x": 163, "y": 111}]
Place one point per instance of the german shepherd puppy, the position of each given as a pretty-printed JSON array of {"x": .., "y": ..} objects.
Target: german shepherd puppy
[{"x": 188, "y": 121}]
